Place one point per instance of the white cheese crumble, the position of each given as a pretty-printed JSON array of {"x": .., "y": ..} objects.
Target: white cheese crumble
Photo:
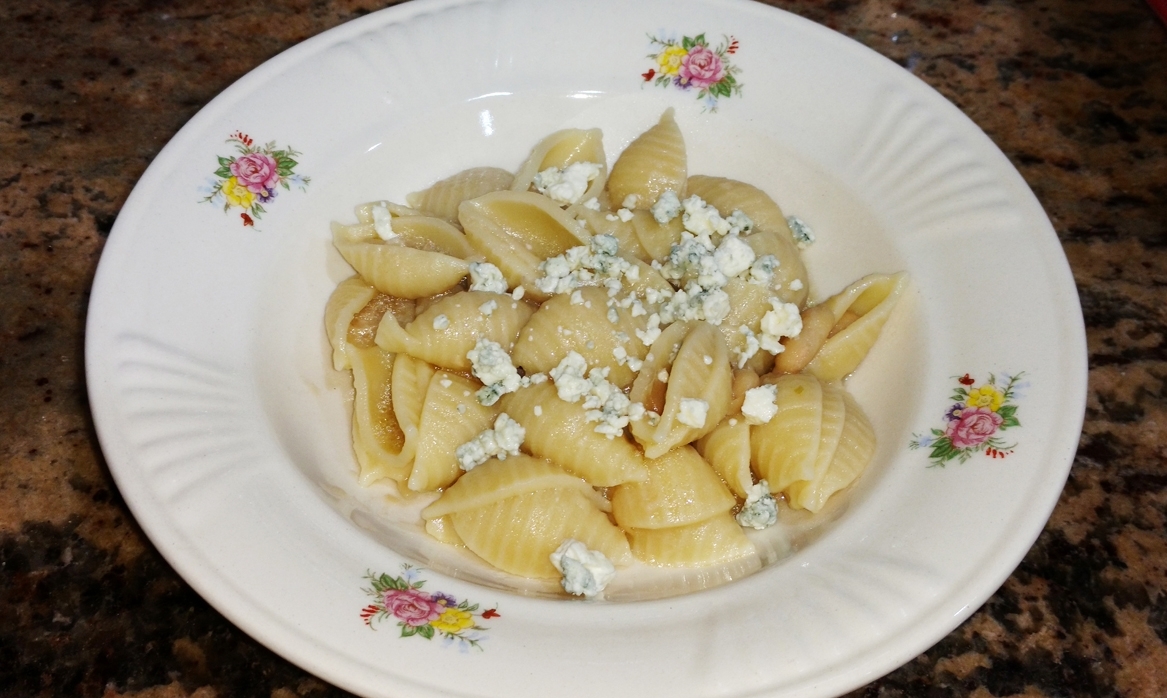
[
  {"x": 585, "y": 572},
  {"x": 760, "y": 510},
  {"x": 761, "y": 404},
  {"x": 783, "y": 320},
  {"x": 651, "y": 331},
  {"x": 491, "y": 365},
  {"x": 518, "y": 293},
  {"x": 566, "y": 186},
  {"x": 803, "y": 236},
  {"x": 762, "y": 270},
  {"x": 630, "y": 201},
  {"x": 733, "y": 256},
  {"x": 446, "y": 382},
  {"x": 624, "y": 215},
  {"x": 382, "y": 222},
  {"x": 441, "y": 322},
  {"x": 501, "y": 441},
  {"x": 796, "y": 285},
  {"x": 603, "y": 402},
  {"x": 693, "y": 412},
  {"x": 596, "y": 264},
  {"x": 667, "y": 207},
  {"x": 484, "y": 276},
  {"x": 488, "y": 307},
  {"x": 592, "y": 204}
]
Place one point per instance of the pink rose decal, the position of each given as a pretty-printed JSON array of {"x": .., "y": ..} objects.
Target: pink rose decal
[
  {"x": 974, "y": 426},
  {"x": 701, "y": 68},
  {"x": 412, "y": 606},
  {"x": 693, "y": 64},
  {"x": 256, "y": 171},
  {"x": 975, "y": 420}
]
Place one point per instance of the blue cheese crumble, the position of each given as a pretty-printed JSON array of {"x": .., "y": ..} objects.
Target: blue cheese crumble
[
  {"x": 596, "y": 264},
  {"x": 760, "y": 510},
  {"x": 382, "y": 222},
  {"x": 783, "y": 320},
  {"x": 667, "y": 207},
  {"x": 693, "y": 412},
  {"x": 603, "y": 402},
  {"x": 441, "y": 322},
  {"x": 761, "y": 404},
  {"x": 566, "y": 186},
  {"x": 585, "y": 572},
  {"x": 484, "y": 276},
  {"x": 491, "y": 365},
  {"x": 803, "y": 235},
  {"x": 501, "y": 441}
]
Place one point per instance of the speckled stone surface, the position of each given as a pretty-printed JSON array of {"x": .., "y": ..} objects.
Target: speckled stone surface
[{"x": 1074, "y": 92}]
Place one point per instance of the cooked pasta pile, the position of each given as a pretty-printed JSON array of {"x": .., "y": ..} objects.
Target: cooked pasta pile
[{"x": 621, "y": 358}]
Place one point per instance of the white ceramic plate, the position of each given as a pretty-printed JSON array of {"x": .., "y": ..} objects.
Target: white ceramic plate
[{"x": 227, "y": 431}]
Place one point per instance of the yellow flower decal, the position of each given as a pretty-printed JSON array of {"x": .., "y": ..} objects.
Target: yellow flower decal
[
  {"x": 453, "y": 621},
  {"x": 985, "y": 396},
  {"x": 669, "y": 60},
  {"x": 237, "y": 194}
]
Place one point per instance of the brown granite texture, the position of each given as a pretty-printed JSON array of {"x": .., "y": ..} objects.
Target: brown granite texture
[{"x": 1073, "y": 91}]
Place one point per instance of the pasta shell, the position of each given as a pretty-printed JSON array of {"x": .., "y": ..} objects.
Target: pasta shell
[
  {"x": 450, "y": 417},
  {"x": 516, "y": 231},
  {"x": 560, "y": 326},
  {"x": 467, "y": 323},
  {"x": 345, "y": 302},
  {"x": 715, "y": 540},
  {"x": 398, "y": 270},
  {"x": 784, "y": 450},
  {"x": 790, "y": 268},
  {"x": 681, "y": 489},
  {"x": 651, "y": 165},
  {"x": 748, "y": 302},
  {"x": 727, "y": 449},
  {"x": 443, "y": 198},
  {"x": 559, "y": 431},
  {"x": 564, "y": 148},
  {"x": 496, "y": 479},
  {"x": 433, "y": 235},
  {"x": 383, "y": 447},
  {"x": 860, "y": 312},
  {"x": 518, "y": 534},
  {"x": 812, "y": 494},
  {"x": 700, "y": 371},
  {"x": 442, "y": 528}
]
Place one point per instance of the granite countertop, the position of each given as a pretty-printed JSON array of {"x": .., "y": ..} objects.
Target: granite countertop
[{"x": 1074, "y": 93}]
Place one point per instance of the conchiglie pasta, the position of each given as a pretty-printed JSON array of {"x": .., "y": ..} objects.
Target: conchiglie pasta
[
  {"x": 433, "y": 235},
  {"x": 516, "y": 231},
  {"x": 681, "y": 489},
  {"x": 450, "y": 417},
  {"x": 850, "y": 441},
  {"x": 559, "y": 430},
  {"x": 699, "y": 373},
  {"x": 345, "y": 302},
  {"x": 651, "y": 165},
  {"x": 564, "y": 148},
  {"x": 562, "y": 325},
  {"x": 393, "y": 268},
  {"x": 784, "y": 450},
  {"x": 727, "y": 449},
  {"x": 497, "y": 479},
  {"x": 716, "y": 540},
  {"x": 860, "y": 312},
  {"x": 384, "y": 447},
  {"x": 445, "y": 343},
  {"x": 443, "y": 198}
]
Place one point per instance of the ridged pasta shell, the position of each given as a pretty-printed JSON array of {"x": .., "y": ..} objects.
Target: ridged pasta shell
[
  {"x": 691, "y": 377},
  {"x": 442, "y": 198},
  {"x": 442, "y": 528},
  {"x": 748, "y": 302},
  {"x": 840, "y": 417},
  {"x": 345, "y": 302},
  {"x": 518, "y": 534},
  {"x": 864, "y": 306},
  {"x": 715, "y": 540},
  {"x": 727, "y": 449},
  {"x": 657, "y": 239},
  {"x": 448, "y": 347},
  {"x": 564, "y": 148},
  {"x": 516, "y": 231},
  {"x": 559, "y": 431},
  {"x": 433, "y": 235},
  {"x": 651, "y": 165},
  {"x": 383, "y": 447},
  {"x": 559, "y": 327},
  {"x": 681, "y": 488},
  {"x": 394, "y": 268},
  {"x": 856, "y": 447},
  {"x": 499, "y": 479},
  {"x": 450, "y": 417},
  {"x": 784, "y": 450}
]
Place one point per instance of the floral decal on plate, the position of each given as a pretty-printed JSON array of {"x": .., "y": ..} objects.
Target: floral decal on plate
[
  {"x": 423, "y": 613},
  {"x": 691, "y": 64},
  {"x": 975, "y": 421},
  {"x": 253, "y": 177}
]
